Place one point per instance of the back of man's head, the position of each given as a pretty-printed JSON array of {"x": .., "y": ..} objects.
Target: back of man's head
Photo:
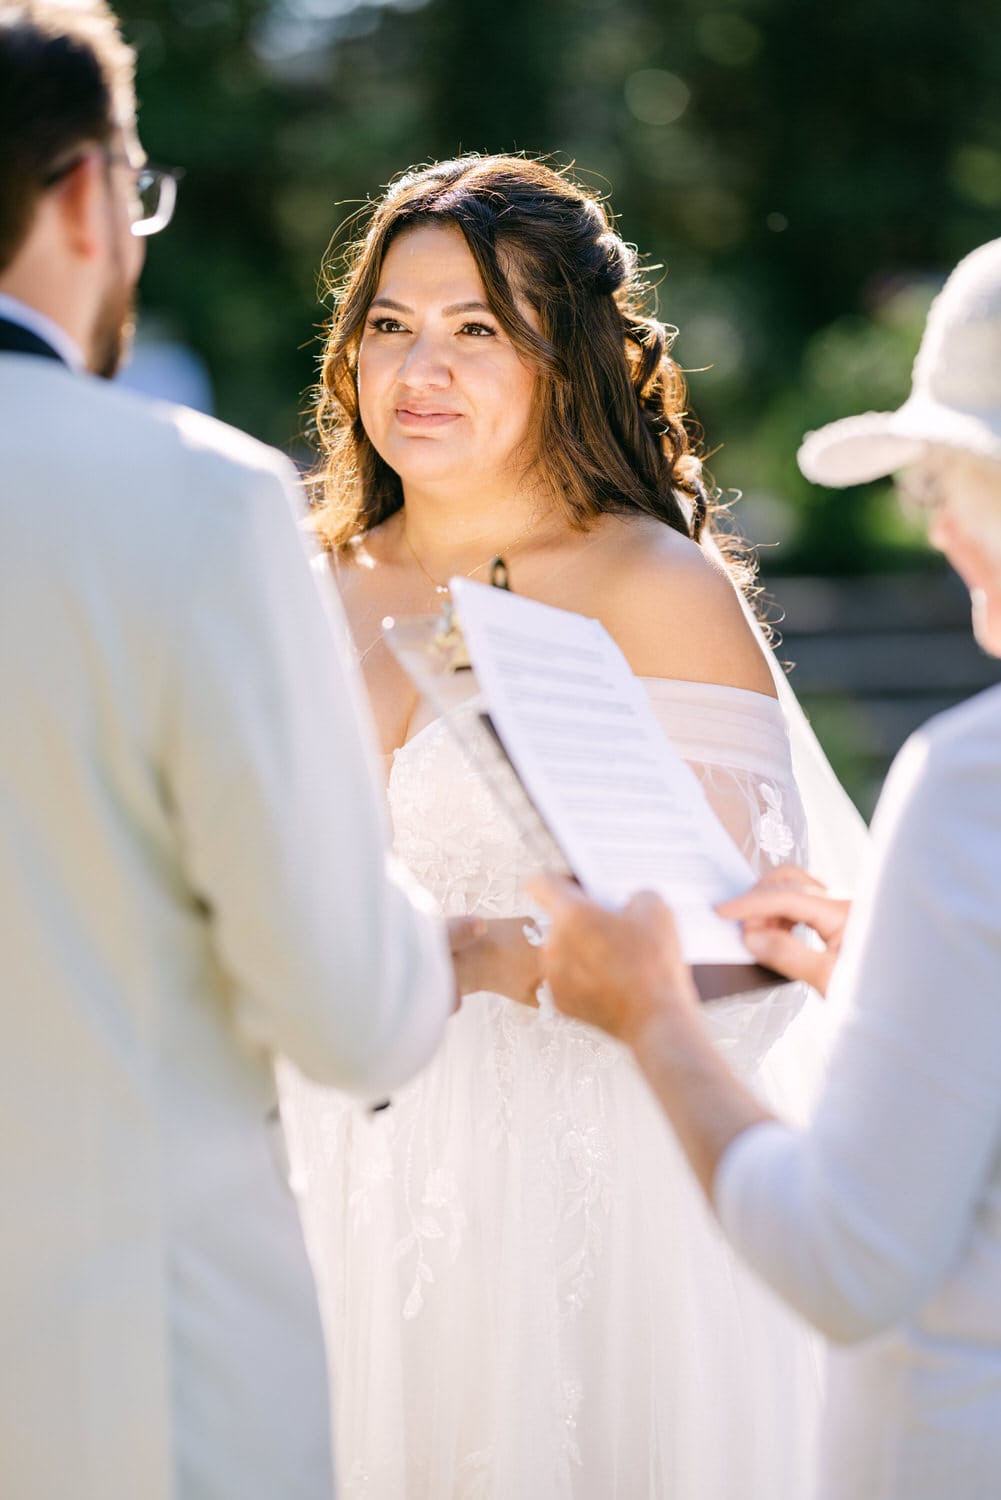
[{"x": 66, "y": 82}]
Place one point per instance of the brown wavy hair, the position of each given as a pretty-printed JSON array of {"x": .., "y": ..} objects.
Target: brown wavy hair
[{"x": 611, "y": 420}]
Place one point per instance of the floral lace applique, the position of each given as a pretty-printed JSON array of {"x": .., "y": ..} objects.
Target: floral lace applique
[
  {"x": 775, "y": 837},
  {"x": 498, "y": 1069},
  {"x": 579, "y": 1156},
  {"x": 450, "y": 830},
  {"x": 474, "y": 1474},
  {"x": 373, "y": 1171},
  {"x": 431, "y": 1217},
  {"x": 572, "y": 1393}
]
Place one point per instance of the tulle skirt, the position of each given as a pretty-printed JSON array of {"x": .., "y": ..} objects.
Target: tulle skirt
[{"x": 525, "y": 1294}]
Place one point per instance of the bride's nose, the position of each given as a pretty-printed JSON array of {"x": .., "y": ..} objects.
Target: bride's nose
[{"x": 426, "y": 364}]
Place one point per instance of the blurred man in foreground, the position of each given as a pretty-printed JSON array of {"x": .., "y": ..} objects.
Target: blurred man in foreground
[{"x": 192, "y": 859}]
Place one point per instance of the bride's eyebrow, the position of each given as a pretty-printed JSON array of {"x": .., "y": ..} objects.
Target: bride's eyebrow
[
  {"x": 388, "y": 302},
  {"x": 447, "y": 312},
  {"x": 464, "y": 307}
]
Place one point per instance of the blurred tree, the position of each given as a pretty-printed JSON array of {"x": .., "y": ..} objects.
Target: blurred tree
[{"x": 795, "y": 168}]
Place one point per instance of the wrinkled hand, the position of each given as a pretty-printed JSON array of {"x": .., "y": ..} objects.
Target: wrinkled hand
[
  {"x": 771, "y": 909},
  {"x": 497, "y": 956},
  {"x": 615, "y": 969}
]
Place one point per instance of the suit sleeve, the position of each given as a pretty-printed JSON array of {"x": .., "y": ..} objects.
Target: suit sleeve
[
  {"x": 860, "y": 1218},
  {"x": 333, "y": 956}
]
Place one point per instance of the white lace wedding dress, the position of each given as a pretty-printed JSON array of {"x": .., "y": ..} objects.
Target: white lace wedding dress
[{"x": 525, "y": 1295}]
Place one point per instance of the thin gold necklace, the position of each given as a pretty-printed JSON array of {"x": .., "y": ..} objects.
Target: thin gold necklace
[{"x": 442, "y": 589}]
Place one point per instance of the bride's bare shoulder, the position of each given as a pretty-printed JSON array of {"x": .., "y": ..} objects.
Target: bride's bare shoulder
[{"x": 673, "y": 608}]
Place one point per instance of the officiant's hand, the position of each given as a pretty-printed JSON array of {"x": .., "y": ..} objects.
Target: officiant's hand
[
  {"x": 782, "y": 900},
  {"x": 618, "y": 970},
  {"x": 499, "y": 958}
]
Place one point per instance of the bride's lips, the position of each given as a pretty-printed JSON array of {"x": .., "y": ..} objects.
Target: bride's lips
[{"x": 423, "y": 421}]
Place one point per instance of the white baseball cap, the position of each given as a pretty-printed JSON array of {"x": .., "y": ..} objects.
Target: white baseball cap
[{"x": 955, "y": 399}]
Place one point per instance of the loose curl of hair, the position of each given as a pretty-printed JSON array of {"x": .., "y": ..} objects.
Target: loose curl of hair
[{"x": 611, "y": 422}]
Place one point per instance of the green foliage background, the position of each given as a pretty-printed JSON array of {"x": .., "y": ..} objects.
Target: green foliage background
[{"x": 805, "y": 172}]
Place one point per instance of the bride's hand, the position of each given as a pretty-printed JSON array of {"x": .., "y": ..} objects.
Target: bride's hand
[
  {"x": 499, "y": 959},
  {"x": 780, "y": 901}
]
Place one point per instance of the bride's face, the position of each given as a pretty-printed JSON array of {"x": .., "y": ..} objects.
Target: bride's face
[{"x": 444, "y": 396}]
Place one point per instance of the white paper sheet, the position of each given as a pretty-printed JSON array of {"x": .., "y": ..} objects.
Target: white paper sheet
[{"x": 626, "y": 810}]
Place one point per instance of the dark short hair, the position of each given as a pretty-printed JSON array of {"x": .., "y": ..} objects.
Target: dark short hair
[
  {"x": 613, "y": 431},
  {"x": 66, "y": 80}
]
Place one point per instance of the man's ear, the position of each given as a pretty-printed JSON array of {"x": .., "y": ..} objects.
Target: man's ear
[{"x": 80, "y": 200}]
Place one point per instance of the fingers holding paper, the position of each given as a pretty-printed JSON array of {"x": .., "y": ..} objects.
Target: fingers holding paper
[
  {"x": 617, "y": 970},
  {"x": 786, "y": 898}
]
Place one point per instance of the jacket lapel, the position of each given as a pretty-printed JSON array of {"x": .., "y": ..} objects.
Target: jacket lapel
[{"x": 17, "y": 340}]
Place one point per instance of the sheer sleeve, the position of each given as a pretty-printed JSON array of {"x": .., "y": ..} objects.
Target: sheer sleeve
[{"x": 737, "y": 744}]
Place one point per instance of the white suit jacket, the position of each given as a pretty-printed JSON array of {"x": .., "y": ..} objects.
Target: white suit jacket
[
  {"x": 882, "y": 1221},
  {"x": 192, "y": 879}
]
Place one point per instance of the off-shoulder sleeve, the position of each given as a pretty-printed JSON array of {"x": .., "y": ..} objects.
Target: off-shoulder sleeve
[{"x": 736, "y": 743}]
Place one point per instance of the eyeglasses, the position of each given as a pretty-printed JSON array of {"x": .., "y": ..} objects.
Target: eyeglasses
[
  {"x": 156, "y": 191},
  {"x": 156, "y": 194},
  {"x": 922, "y": 491}
]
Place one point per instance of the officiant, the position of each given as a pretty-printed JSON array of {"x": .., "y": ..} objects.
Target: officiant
[{"x": 880, "y": 1222}]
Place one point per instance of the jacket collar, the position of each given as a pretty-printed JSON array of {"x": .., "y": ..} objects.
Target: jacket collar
[
  {"x": 26, "y": 330},
  {"x": 17, "y": 340}
]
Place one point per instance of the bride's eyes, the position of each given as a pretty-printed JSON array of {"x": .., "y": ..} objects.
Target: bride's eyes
[{"x": 393, "y": 325}]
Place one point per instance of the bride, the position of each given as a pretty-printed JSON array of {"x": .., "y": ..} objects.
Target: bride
[{"x": 525, "y": 1297}]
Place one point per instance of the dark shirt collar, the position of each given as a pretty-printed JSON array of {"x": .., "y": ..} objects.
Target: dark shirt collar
[
  {"x": 48, "y": 339},
  {"x": 14, "y": 339}
]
